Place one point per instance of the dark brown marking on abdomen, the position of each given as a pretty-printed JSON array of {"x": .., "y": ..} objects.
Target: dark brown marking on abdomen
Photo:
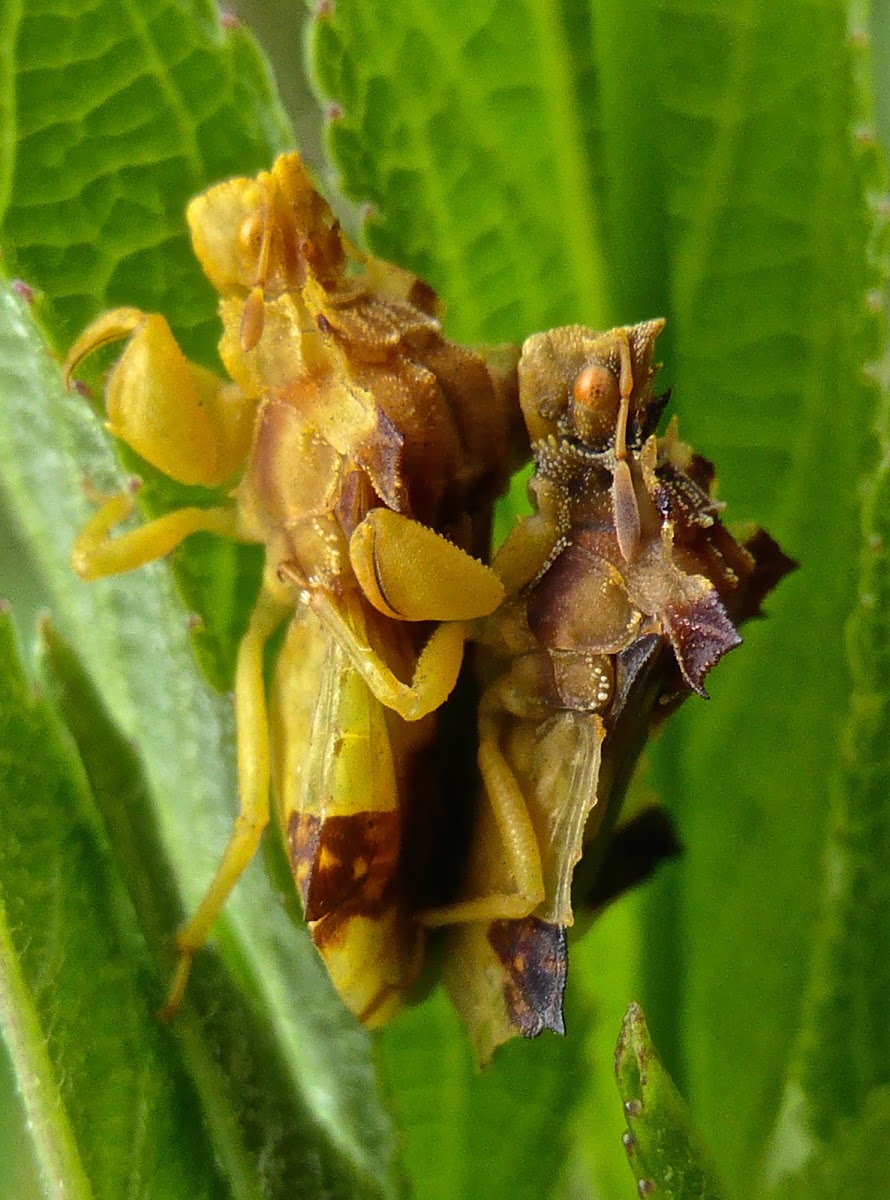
[{"x": 340, "y": 861}]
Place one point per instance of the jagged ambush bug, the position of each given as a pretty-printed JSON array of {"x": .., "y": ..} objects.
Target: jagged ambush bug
[
  {"x": 623, "y": 589},
  {"x": 363, "y": 451}
]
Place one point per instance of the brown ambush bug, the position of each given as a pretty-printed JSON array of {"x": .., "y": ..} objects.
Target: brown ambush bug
[
  {"x": 623, "y": 589},
  {"x": 363, "y": 451}
]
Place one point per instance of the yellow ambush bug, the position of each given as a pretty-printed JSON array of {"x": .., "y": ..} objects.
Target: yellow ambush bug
[
  {"x": 363, "y": 451},
  {"x": 623, "y": 589}
]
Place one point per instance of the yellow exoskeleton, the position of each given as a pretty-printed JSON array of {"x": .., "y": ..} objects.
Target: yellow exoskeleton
[{"x": 363, "y": 451}]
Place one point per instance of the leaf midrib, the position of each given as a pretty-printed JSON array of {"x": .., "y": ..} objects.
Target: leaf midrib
[{"x": 56, "y": 1148}]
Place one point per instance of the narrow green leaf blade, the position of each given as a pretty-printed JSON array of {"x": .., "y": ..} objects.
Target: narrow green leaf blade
[
  {"x": 109, "y": 1111},
  {"x": 844, "y": 1045},
  {"x": 18, "y": 1165},
  {"x": 605, "y": 969},
  {"x": 231, "y": 1052},
  {"x": 664, "y": 1149},
  {"x": 842, "y": 1049}
]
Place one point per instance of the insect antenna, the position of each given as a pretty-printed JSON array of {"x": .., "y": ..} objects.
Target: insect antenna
[
  {"x": 624, "y": 500},
  {"x": 253, "y": 316}
]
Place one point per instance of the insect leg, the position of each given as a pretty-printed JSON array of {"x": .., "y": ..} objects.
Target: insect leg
[
  {"x": 520, "y": 844},
  {"x": 408, "y": 572},
  {"x": 253, "y": 788},
  {"x": 96, "y": 554},
  {"x": 178, "y": 416},
  {"x": 412, "y": 573},
  {"x": 435, "y": 672}
]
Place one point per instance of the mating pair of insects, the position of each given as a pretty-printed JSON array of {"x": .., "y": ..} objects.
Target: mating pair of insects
[{"x": 364, "y": 452}]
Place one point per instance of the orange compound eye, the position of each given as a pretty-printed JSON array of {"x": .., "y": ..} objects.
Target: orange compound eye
[{"x": 597, "y": 387}]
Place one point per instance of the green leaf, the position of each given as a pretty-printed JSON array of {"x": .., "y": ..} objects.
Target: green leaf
[
  {"x": 466, "y": 130},
  {"x": 842, "y": 1049},
  {"x": 18, "y": 1176},
  {"x": 844, "y": 1045},
  {"x": 116, "y": 115},
  {"x": 853, "y": 1164},
  {"x": 604, "y": 968},
  {"x": 454, "y": 1118},
  {"x": 769, "y": 342},
  {"x": 244, "y": 1078},
  {"x": 664, "y": 1149},
  {"x": 285, "y": 1080},
  {"x": 95, "y": 1068}
]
